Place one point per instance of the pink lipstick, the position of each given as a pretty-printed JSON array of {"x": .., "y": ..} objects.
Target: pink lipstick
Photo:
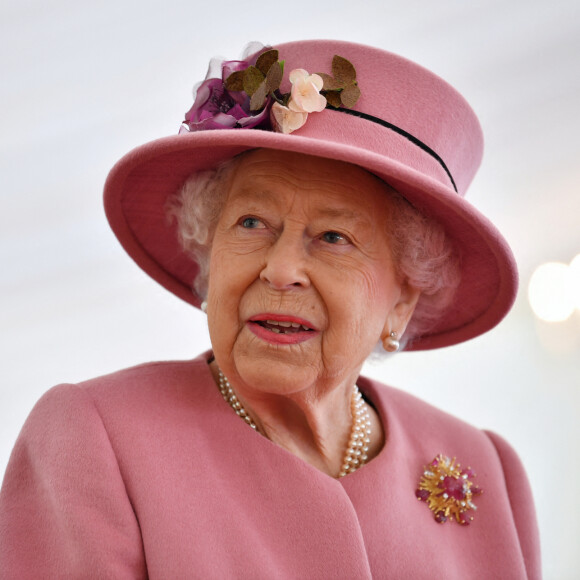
[{"x": 281, "y": 328}]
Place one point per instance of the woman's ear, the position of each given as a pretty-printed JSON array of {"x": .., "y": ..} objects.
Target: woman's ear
[{"x": 399, "y": 317}]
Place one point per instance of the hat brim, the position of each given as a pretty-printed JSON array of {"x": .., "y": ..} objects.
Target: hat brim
[{"x": 138, "y": 186}]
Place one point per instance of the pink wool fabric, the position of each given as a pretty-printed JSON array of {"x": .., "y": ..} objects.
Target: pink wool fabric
[
  {"x": 148, "y": 473},
  {"x": 394, "y": 90}
]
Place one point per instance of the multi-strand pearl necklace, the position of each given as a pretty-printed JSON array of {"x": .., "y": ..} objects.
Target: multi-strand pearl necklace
[
  {"x": 356, "y": 453},
  {"x": 360, "y": 435},
  {"x": 229, "y": 395}
]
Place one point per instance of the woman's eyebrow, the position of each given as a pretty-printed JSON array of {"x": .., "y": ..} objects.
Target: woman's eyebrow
[
  {"x": 256, "y": 193},
  {"x": 340, "y": 212},
  {"x": 253, "y": 193},
  {"x": 347, "y": 214}
]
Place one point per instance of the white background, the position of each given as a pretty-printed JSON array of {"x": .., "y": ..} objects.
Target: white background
[{"x": 82, "y": 83}]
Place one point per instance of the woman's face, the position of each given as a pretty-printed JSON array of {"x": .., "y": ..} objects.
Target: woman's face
[{"x": 302, "y": 243}]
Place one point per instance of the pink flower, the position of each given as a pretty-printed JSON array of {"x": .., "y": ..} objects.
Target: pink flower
[
  {"x": 305, "y": 96},
  {"x": 285, "y": 120}
]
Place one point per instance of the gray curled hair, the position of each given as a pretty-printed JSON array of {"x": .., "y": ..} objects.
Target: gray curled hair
[{"x": 424, "y": 256}]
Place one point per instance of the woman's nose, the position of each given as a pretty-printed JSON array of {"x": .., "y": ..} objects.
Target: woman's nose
[{"x": 285, "y": 265}]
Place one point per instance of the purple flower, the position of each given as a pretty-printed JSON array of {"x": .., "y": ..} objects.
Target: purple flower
[{"x": 217, "y": 108}]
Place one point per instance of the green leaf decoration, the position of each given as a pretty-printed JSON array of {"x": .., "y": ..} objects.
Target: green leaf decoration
[
  {"x": 266, "y": 60},
  {"x": 350, "y": 96},
  {"x": 258, "y": 98},
  {"x": 333, "y": 99},
  {"x": 235, "y": 82},
  {"x": 274, "y": 77},
  {"x": 253, "y": 78},
  {"x": 343, "y": 70},
  {"x": 330, "y": 83},
  {"x": 341, "y": 89}
]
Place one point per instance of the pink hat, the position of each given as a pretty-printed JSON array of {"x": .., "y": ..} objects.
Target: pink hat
[{"x": 409, "y": 127}]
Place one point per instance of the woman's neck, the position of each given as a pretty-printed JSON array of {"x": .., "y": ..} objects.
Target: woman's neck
[{"x": 315, "y": 428}]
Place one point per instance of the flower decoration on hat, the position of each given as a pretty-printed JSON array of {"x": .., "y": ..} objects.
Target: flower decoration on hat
[
  {"x": 247, "y": 95},
  {"x": 448, "y": 490}
]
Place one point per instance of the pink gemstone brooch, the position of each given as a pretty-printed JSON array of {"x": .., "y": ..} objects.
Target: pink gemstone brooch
[{"x": 448, "y": 490}]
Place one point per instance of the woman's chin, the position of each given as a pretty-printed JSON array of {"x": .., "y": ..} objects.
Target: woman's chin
[{"x": 270, "y": 366}]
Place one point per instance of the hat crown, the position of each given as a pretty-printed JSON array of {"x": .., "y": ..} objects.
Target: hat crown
[{"x": 401, "y": 93}]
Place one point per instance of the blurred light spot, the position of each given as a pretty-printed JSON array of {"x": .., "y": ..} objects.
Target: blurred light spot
[
  {"x": 575, "y": 279},
  {"x": 551, "y": 292}
]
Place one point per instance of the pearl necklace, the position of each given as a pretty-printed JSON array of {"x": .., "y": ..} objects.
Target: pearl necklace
[
  {"x": 360, "y": 435},
  {"x": 229, "y": 395}
]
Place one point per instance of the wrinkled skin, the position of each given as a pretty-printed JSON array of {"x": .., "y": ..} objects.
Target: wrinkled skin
[{"x": 305, "y": 238}]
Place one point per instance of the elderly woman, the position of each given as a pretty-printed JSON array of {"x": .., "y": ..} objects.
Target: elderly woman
[{"x": 312, "y": 206}]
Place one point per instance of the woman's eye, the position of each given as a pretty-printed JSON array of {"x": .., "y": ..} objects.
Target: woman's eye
[
  {"x": 251, "y": 223},
  {"x": 334, "y": 238}
]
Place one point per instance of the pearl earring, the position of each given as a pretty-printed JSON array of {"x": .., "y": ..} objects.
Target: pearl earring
[
  {"x": 203, "y": 306},
  {"x": 391, "y": 344}
]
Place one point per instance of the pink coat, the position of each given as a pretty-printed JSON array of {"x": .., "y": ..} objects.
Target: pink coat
[{"x": 148, "y": 473}]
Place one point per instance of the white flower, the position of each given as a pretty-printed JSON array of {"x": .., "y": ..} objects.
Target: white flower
[
  {"x": 305, "y": 96},
  {"x": 285, "y": 120}
]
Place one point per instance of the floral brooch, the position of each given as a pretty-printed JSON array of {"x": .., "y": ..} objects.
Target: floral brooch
[
  {"x": 448, "y": 490},
  {"x": 247, "y": 95}
]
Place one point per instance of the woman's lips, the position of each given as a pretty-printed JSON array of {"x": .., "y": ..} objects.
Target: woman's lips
[{"x": 281, "y": 328}]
